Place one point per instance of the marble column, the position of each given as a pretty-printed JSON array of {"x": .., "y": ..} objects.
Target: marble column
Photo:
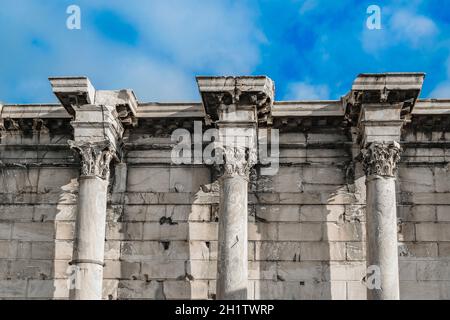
[
  {"x": 89, "y": 245},
  {"x": 380, "y": 164},
  {"x": 232, "y": 265}
]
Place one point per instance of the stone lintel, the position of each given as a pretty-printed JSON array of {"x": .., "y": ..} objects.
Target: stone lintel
[
  {"x": 380, "y": 104},
  {"x": 237, "y": 99},
  {"x": 74, "y": 92},
  {"x": 387, "y": 89}
]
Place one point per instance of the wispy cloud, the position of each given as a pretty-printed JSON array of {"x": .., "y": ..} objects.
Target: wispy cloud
[
  {"x": 400, "y": 27},
  {"x": 154, "y": 47},
  {"x": 313, "y": 49},
  {"x": 307, "y": 91},
  {"x": 442, "y": 89}
]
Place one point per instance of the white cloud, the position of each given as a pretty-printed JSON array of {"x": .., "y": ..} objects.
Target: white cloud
[
  {"x": 442, "y": 91},
  {"x": 308, "y": 5},
  {"x": 399, "y": 26},
  {"x": 307, "y": 91},
  {"x": 412, "y": 27},
  {"x": 177, "y": 40}
]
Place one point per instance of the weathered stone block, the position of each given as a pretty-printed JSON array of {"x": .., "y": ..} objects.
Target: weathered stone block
[
  {"x": 423, "y": 290},
  {"x": 355, "y": 251},
  {"x": 48, "y": 289},
  {"x": 444, "y": 249},
  {"x": 31, "y": 269},
  {"x": 16, "y": 213},
  {"x": 262, "y": 270},
  {"x": 124, "y": 231},
  {"x": 277, "y": 251},
  {"x": 148, "y": 179},
  {"x": 34, "y": 231},
  {"x": 433, "y": 270},
  {"x": 138, "y": 289},
  {"x": 112, "y": 250},
  {"x": 62, "y": 269},
  {"x": 166, "y": 232},
  {"x": 442, "y": 176},
  {"x": 42, "y": 250},
  {"x": 300, "y": 271},
  {"x": 203, "y": 231},
  {"x": 416, "y": 213},
  {"x": 110, "y": 289},
  {"x": 278, "y": 213},
  {"x": 188, "y": 179},
  {"x": 202, "y": 270},
  {"x": 262, "y": 231},
  {"x": 8, "y": 249},
  {"x": 406, "y": 232},
  {"x": 5, "y": 230},
  {"x": 154, "y": 250},
  {"x": 65, "y": 230},
  {"x": 343, "y": 232},
  {"x": 432, "y": 232},
  {"x": 356, "y": 290},
  {"x": 345, "y": 271},
  {"x": 322, "y": 251},
  {"x": 13, "y": 288},
  {"x": 162, "y": 270},
  {"x": 143, "y": 213},
  {"x": 324, "y": 176},
  {"x": 321, "y": 213},
  {"x": 288, "y": 179},
  {"x": 201, "y": 213},
  {"x": 443, "y": 213},
  {"x": 300, "y": 231},
  {"x": 199, "y": 250},
  {"x": 419, "y": 250},
  {"x": 63, "y": 250},
  {"x": 115, "y": 269},
  {"x": 416, "y": 179}
]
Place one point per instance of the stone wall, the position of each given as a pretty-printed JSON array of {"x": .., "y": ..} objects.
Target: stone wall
[
  {"x": 306, "y": 225},
  {"x": 96, "y": 171}
]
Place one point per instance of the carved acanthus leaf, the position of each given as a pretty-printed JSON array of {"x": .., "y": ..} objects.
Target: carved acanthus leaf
[
  {"x": 237, "y": 161},
  {"x": 95, "y": 157},
  {"x": 381, "y": 158}
]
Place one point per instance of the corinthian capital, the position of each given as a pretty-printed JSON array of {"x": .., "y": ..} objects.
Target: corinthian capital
[
  {"x": 380, "y": 158},
  {"x": 95, "y": 157},
  {"x": 237, "y": 161}
]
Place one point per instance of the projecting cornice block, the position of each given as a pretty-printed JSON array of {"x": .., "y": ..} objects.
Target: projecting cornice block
[{"x": 240, "y": 96}]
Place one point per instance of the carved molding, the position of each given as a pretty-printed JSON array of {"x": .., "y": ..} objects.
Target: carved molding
[
  {"x": 380, "y": 158},
  {"x": 237, "y": 161},
  {"x": 95, "y": 157}
]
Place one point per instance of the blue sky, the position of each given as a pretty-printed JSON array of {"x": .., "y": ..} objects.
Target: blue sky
[{"x": 312, "y": 49}]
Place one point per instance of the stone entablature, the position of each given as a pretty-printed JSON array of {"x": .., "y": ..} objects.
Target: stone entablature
[{"x": 310, "y": 231}]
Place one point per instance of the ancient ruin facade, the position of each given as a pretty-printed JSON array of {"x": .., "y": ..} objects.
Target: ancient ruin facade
[{"x": 93, "y": 204}]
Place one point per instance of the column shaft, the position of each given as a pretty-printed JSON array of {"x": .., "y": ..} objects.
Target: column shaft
[
  {"x": 90, "y": 239},
  {"x": 381, "y": 228},
  {"x": 380, "y": 165},
  {"x": 233, "y": 245}
]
